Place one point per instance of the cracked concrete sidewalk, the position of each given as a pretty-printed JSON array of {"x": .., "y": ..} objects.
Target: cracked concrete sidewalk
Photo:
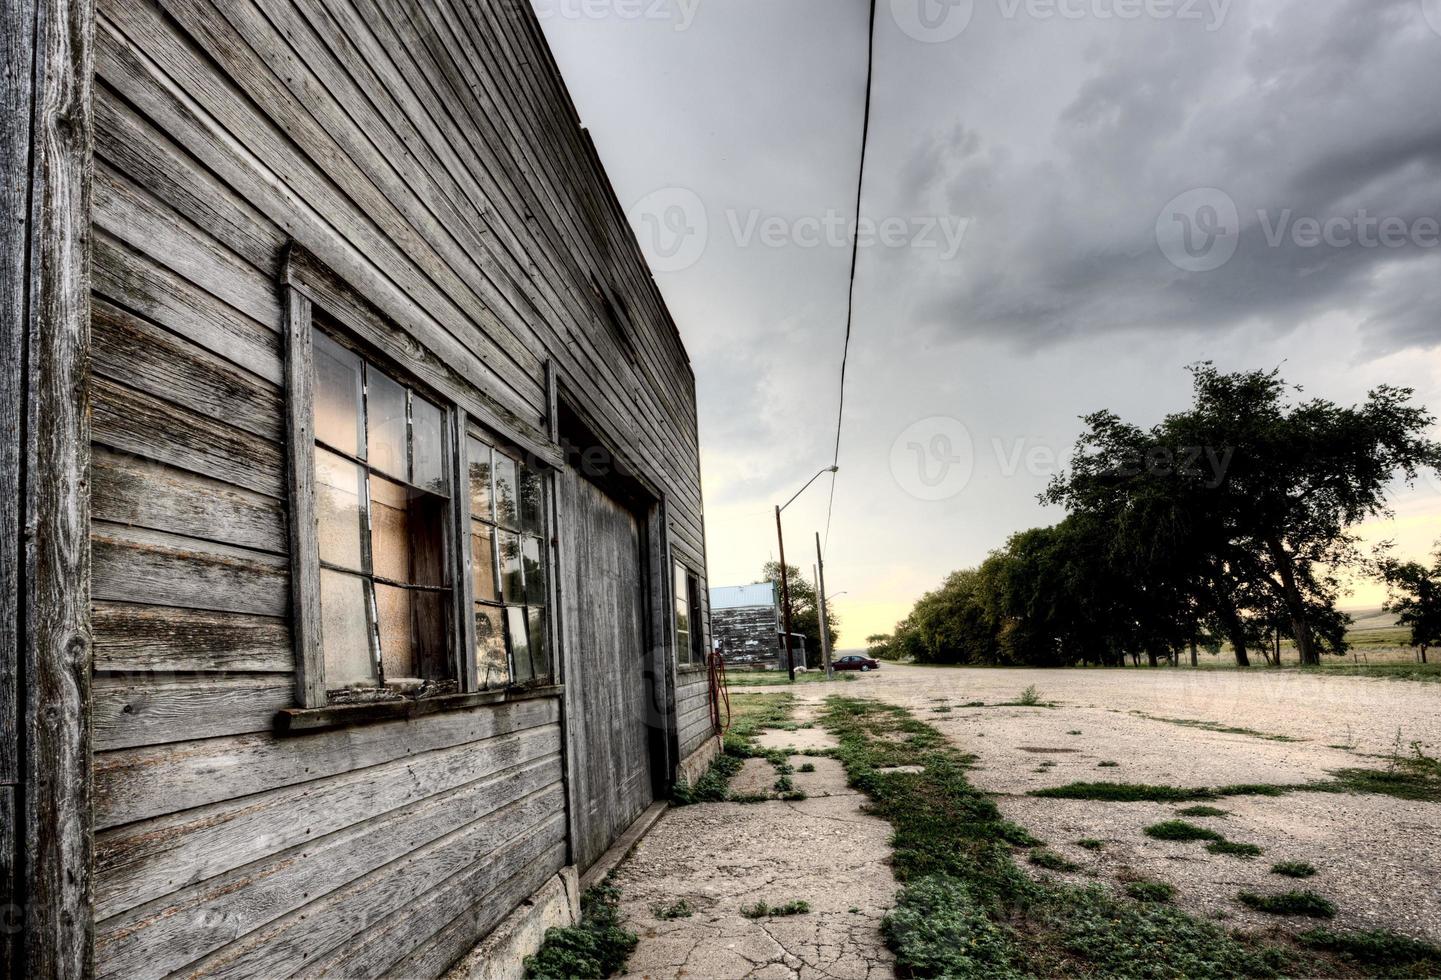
[{"x": 719, "y": 857}]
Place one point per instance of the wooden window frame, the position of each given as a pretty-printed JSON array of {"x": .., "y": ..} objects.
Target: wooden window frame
[
  {"x": 416, "y": 355},
  {"x": 693, "y": 656},
  {"x": 546, "y": 534}
]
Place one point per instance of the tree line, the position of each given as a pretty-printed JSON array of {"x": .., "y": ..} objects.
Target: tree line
[{"x": 1229, "y": 524}]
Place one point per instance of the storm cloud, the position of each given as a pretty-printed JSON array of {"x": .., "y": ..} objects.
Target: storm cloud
[{"x": 1137, "y": 184}]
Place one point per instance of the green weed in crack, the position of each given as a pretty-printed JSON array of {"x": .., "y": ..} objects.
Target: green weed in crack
[
  {"x": 597, "y": 947},
  {"x": 967, "y": 910}
]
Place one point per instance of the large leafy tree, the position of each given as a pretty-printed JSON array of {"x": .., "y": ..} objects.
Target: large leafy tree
[
  {"x": 1242, "y": 504},
  {"x": 1416, "y": 600}
]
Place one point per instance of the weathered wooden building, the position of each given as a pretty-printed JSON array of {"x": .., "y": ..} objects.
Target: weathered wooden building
[
  {"x": 353, "y": 570},
  {"x": 746, "y": 630}
]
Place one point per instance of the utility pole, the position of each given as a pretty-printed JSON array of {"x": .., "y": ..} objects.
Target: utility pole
[
  {"x": 821, "y": 600},
  {"x": 785, "y": 598},
  {"x": 785, "y": 573}
]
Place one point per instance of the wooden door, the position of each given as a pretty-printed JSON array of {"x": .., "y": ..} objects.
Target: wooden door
[{"x": 607, "y": 666}]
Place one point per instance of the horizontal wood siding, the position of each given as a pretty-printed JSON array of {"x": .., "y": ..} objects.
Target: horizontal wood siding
[{"x": 429, "y": 155}]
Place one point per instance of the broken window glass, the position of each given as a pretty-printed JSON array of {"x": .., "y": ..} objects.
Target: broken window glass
[
  {"x": 519, "y": 643},
  {"x": 512, "y": 583},
  {"x": 491, "y": 661},
  {"x": 338, "y": 386}
]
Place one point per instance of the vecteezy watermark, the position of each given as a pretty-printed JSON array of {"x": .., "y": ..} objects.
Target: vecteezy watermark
[
  {"x": 1431, "y": 10},
  {"x": 674, "y": 229},
  {"x": 1359, "y": 230},
  {"x": 933, "y": 459},
  {"x": 1200, "y": 230},
  {"x": 944, "y": 233},
  {"x": 933, "y": 21},
  {"x": 680, "y": 14},
  {"x": 938, "y": 21}
]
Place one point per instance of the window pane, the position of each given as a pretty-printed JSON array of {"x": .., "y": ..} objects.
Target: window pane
[
  {"x": 512, "y": 587},
  {"x": 427, "y": 433},
  {"x": 490, "y": 660},
  {"x": 540, "y": 662},
  {"x": 478, "y": 454},
  {"x": 532, "y": 554},
  {"x": 406, "y": 533},
  {"x": 338, "y": 514},
  {"x": 337, "y": 396},
  {"x": 385, "y": 424},
  {"x": 682, "y": 599},
  {"x": 505, "y": 490},
  {"x": 390, "y": 529},
  {"x": 345, "y": 630},
  {"x": 532, "y": 499},
  {"x": 396, "y": 614},
  {"x": 519, "y": 647},
  {"x": 482, "y": 560}
]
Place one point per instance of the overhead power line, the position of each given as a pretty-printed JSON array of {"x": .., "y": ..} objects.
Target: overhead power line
[{"x": 855, "y": 255}]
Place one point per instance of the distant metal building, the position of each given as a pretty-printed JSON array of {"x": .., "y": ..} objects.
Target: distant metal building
[{"x": 746, "y": 627}]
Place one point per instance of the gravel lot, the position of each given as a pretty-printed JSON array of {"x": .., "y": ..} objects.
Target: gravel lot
[{"x": 1378, "y": 858}]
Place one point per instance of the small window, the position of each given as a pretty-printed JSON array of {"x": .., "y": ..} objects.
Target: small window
[
  {"x": 690, "y": 632},
  {"x": 510, "y": 566},
  {"x": 381, "y": 503}
]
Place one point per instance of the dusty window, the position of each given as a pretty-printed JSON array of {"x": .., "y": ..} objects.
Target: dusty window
[
  {"x": 688, "y": 628},
  {"x": 381, "y": 500},
  {"x": 510, "y": 566}
]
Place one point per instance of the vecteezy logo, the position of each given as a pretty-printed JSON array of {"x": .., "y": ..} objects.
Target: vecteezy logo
[
  {"x": 1431, "y": 10},
  {"x": 672, "y": 228},
  {"x": 1200, "y": 230},
  {"x": 933, "y": 459},
  {"x": 933, "y": 21}
]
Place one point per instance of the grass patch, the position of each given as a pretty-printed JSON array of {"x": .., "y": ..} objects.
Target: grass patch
[
  {"x": 1051, "y": 861},
  {"x": 1150, "y": 891},
  {"x": 966, "y": 910},
  {"x": 1091, "y": 844},
  {"x": 1306, "y": 903},
  {"x": 1293, "y": 869},
  {"x": 1380, "y": 953},
  {"x": 1255, "y": 789},
  {"x": 713, "y": 786},
  {"x": 1122, "y": 793},
  {"x": 597, "y": 947},
  {"x": 1203, "y": 811},
  {"x": 807, "y": 767},
  {"x": 762, "y": 910},
  {"x": 1030, "y": 697},
  {"x": 1234, "y": 849},
  {"x": 1211, "y": 726},
  {"x": 1181, "y": 830},
  {"x": 678, "y": 910},
  {"x": 1413, "y": 778},
  {"x": 1107, "y": 765}
]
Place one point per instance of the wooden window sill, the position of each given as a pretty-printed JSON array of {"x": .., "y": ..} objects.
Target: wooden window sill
[{"x": 300, "y": 721}]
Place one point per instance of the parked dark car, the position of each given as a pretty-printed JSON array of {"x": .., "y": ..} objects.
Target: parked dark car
[{"x": 855, "y": 662}]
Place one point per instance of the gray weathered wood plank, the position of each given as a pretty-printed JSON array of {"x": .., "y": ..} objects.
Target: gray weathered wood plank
[
  {"x": 144, "y": 639},
  {"x": 142, "y": 493},
  {"x": 141, "y": 862},
  {"x": 134, "y": 712},
  {"x": 133, "y": 784},
  {"x": 138, "y": 565}
]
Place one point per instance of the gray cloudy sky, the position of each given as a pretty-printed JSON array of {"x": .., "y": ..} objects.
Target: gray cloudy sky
[{"x": 1067, "y": 202}]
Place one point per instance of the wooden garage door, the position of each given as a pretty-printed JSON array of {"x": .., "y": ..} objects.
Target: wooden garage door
[{"x": 606, "y": 666}]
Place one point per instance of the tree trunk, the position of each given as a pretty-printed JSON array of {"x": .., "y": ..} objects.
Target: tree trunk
[
  {"x": 1151, "y": 658},
  {"x": 1194, "y": 653},
  {"x": 1231, "y": 622},
  {"x": 1295, "y": 604}
]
